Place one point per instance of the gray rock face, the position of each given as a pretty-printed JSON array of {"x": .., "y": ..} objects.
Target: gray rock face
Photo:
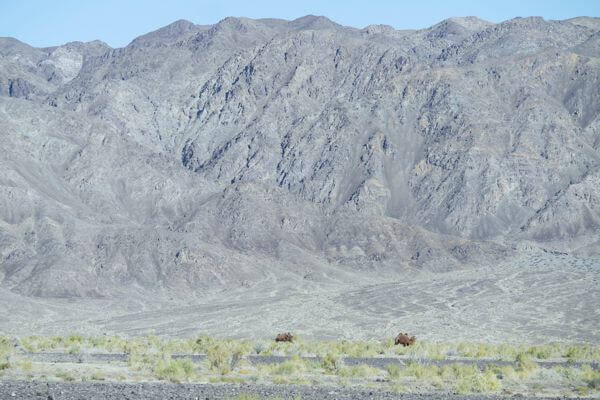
[{"x": 200, "y": 157}]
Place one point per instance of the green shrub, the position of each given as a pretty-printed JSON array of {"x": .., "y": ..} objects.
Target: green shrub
[
  {"x": 591, "y": 377},
  {"x": 65, "y": 376},
  {"x": 6, "y": 346},
  {"x": 146, "y": 362},
  {"x": 478, "y": 383},
  {"x": 394, "y": 372},
  {"x": 420, "y": 371},
  {"x": 181, "y": 370},
  {"x": 525, "y": 365},
  {"x": 218, "y": 358},
  {"x": 97, "y": 376},
  {"x": 476, "y": 350},
  {"x": 331, "y": 363}
]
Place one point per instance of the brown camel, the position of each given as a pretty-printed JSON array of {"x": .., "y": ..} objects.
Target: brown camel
[
  {"x": 405, "y": 340},
  {"x": 284, "y": 337}
]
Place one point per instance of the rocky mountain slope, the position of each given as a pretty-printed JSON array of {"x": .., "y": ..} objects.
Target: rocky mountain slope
[{"x": 203, "y": 157}]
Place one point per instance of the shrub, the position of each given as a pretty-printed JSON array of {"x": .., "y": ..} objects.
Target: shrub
[
  {"x": 145, "y": 362},
  {"x": 65, "y": 376},
  {"x": 394, "y": 372},
  {"x": 331, "y": 363},
  {"x": 591, "y": 377},
  {"x": 475, "y": 350},
  {"x": 420, "y": 371},
  {"x": 6, "y": 346},
  {"x": 397, "y": 388},
  {"x": 181, "y": 370},
  {"x": 478, "y": 383},
  {"x": 218, "y": 358},
  {"x": 97, "y": 377},
  {"x": 579, "y": 352},
  {"x": 525, "y": 365}
]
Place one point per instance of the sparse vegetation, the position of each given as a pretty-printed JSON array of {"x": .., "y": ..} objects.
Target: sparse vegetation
[
  {"x": 152, "y": 357},
  {"x": 97, "y": 377},
  {"x": 331, "y": 363},
  {"x": 341, "y": 348},
  {"x": 359, "y": 371},
  {"x": 64, "y": 375},
  {"x": 525, "y": 365},
  {"x": 486, "y": 382},
  {"x": 182, "y": 370},
  {"x": 4, "y": 365}
]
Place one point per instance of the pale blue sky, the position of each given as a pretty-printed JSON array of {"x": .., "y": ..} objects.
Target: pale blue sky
[{"x": 117, "y": 22}]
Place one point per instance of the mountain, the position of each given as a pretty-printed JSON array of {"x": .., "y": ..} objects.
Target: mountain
[{"x": 199, "y": 158}]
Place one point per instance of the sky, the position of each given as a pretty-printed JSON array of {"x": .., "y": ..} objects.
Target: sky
[{"x": 43, "y": 23}]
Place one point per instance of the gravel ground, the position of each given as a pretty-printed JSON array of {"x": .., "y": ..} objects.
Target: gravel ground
[{"x": 151, "y": 391}]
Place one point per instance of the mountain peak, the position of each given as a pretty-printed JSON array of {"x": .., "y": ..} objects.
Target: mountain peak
[
  {"x": 313, "y": 22},
  {"x": 167, "y": 34}
]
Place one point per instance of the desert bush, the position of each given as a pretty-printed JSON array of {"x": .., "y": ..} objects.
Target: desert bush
[
  {"x": 146, "y": 362},
  {"x": 293, "y": 366},
  {"x": 65, "y": 376},
  {"x": 394, "y": 372},
  {"x": 485, "y": 382},
  {"x": 6, "y": 346},
  {"x": 476, "y": 350},
  {"x": 590, "y": 377},
  {"x": 582, "y": 352},
  {"x": 41, "y": 343},
  {"x": 543, "y": 352},
  {"x": 398, "y": 388},
  {"x": 525, "y": 365},
  {"x": 582, "y": 391},
  {"x": 331, "y": 363},
  {"x": 97, "y": 376},
  {"x": 218, "y": 358},
  {"x": 571, "y": 374},
  {"x": 259, "y": 347},
  {"x": 420, "y": 371},
  {"x": 504, "y": 372},
  {"x": 181, "y": 370},
  {"x": 224, "y": 356}
]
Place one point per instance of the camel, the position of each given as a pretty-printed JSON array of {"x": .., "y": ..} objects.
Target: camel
[
  {"x": 284, "y": 337},
  {"x": 405, "y": 340}
]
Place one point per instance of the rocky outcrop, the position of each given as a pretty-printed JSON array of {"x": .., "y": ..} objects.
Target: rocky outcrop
[{"x": 200, "y": 157}]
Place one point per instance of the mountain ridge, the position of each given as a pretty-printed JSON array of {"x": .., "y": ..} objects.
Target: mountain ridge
[{"x": 204, "y": 157}]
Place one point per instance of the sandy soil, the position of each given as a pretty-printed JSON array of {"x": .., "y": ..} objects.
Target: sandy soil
[{"x": 539, "y": 297}]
